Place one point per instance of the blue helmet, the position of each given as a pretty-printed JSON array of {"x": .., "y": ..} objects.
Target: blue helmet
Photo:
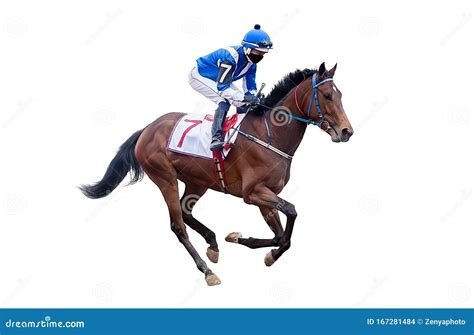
[{"x": 257, "y": 39}]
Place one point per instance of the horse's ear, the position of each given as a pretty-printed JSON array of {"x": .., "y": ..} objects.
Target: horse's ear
[
  {"x": 333, "y": 70},
  {"x": 322, "y": 69}
]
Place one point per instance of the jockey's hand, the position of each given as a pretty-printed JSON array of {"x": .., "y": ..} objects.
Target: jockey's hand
[{"x": 251, "y": 99}]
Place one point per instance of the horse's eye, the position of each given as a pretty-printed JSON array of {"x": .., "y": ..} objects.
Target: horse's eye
[{"x": 328, "y": 96}]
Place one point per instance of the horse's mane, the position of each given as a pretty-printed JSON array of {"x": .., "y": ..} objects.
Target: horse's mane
[{"x": 284, "y": 86}]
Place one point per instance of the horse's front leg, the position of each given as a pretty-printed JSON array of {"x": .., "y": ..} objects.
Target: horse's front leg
[
  {"x": 270, "y": 204},
  {"x": 284, "y": 243},
  {"x": 272, "y": 218}
]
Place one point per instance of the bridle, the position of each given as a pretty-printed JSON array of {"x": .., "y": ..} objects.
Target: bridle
[{"x": 323, "y": 124}]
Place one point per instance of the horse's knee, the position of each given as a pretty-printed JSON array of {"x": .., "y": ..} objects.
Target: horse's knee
[{"x": 289, "y": 210}]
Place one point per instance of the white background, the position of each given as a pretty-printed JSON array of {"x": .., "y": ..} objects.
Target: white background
[{"x": 385, "y": 220}]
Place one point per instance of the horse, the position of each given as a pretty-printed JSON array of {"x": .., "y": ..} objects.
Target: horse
[{"x": 256, "y": 169}]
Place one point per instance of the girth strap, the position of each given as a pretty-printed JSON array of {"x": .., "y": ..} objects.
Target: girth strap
[{"x": 265, "y": 144}]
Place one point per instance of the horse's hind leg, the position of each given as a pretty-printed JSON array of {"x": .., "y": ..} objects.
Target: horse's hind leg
[
  {"x": 164, "y": 176},
  {"x": 272, "y": 218},
  {"x": 192, "y": 194}
]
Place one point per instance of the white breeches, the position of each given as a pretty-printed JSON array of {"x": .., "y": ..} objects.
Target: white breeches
[{"x": 208, "y": 88}]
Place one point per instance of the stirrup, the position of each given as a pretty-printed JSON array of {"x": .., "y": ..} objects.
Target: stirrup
[{"x": 216, "y": 145}]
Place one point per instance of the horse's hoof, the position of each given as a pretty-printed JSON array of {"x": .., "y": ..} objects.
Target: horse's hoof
[
  {"x": 269, "y": 260},
  {"x": 212, "y": 255},
  {"x": 233, "y": 237},
  {"x": 212, "y": 280}
]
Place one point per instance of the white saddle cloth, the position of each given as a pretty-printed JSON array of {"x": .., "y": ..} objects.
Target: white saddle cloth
[{"x": 192, "y": 135}]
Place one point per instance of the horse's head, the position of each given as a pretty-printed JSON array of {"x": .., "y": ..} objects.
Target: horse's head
[{"x": 326, "y": 108}]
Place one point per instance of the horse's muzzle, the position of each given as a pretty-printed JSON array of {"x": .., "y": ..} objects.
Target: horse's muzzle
[{"x": 346, "y": 134}]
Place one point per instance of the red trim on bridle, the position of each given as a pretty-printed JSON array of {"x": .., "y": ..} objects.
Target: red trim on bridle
[
  {"x": 296, "y": 101},
  {"x": 297, "y": 104}
]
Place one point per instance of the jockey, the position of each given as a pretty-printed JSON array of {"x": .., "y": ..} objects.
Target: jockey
[{"x": 215, "y": 73}]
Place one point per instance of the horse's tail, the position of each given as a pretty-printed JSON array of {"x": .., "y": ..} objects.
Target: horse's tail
[{"x": 123, "y": 162}]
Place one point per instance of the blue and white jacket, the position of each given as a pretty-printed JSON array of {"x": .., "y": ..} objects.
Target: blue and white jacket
[{"x": 227, "y": 65}]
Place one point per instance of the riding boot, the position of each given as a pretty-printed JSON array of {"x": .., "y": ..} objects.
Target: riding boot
[{"x": 217, "y": 142}]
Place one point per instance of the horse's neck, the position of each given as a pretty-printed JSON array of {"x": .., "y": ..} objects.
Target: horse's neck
[{"x": 287, "y": 134}]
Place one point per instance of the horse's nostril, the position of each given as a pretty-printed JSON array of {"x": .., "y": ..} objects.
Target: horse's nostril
[
  {"x": 346, "y": 134},
  {"x": 347, "y": 131}
]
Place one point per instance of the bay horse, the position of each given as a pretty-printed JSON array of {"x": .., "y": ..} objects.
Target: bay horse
[{"x": 257, "y": 168}]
